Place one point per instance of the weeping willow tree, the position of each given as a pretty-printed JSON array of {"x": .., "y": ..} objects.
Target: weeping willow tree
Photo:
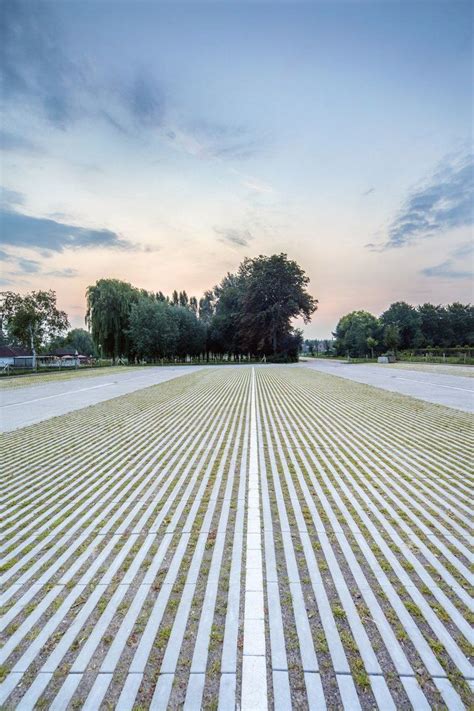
[{"x": 109, "y": 303}]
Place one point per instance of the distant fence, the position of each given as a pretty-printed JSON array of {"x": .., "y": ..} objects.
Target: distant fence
[{"x": 439, "y": 355}]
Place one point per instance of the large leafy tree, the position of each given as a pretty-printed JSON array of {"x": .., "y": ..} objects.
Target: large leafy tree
[
  {"x": 432, "y": 324},
  {"x": 32, "y": 319},
  {"x": 81, "y": 341},
  {"x": 408, "y": 321},
  {"x": 206, "y": 313},
  {"x": 224, "y": 333},
  {"x": 191, "y": 339},
  {"x": 357, "y": 333},
  {"x": 109, "y": 304},
  {"x": 274, "y": 292},
  {"x": 207, "y": 307},
  {"x": 153, "y": 330},
  {"x": 460, "y": 324},
  {"x": 391, "y": 337},
  {"x": 77, "y": 339}
]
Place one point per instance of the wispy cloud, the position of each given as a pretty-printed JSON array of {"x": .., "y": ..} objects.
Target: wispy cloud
[
  {"x": 454, "y": 267},
  {"x": 37, "y": 71},
  {"x": 10, "y": 198},
  {"x": 39, "y": 233},
  {"x": 14, "y": 142},
  {"x": 29, "y": 266},
  {"x": 238, "y": 238},
  {"x": 444, "y": 202},
  {"x": 447, "y": 270},
  {"x": 33, "y": 65},
  {"x": 212, "y": 140},
  {"x": 66, "y": 273},
  {"x": 465, "y": 250},
  {"x": 20, "y": 266},
  {"x": 145, "y": 100}
]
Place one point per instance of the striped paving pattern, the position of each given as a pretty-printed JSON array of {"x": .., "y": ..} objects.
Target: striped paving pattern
[{"x": 251, "y": 538}]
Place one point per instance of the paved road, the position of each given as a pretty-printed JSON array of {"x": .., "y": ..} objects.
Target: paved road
[
  {"x": 26, "y": 406},
  {"x": 450, "y": 390}
]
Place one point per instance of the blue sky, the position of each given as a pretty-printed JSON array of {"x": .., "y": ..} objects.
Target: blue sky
[{"x": 163, "y": 142}]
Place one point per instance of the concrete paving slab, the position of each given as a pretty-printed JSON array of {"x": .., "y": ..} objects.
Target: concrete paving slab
[
  {"x": 20, "y": 407},
  {"x": 449, "y": 390}
]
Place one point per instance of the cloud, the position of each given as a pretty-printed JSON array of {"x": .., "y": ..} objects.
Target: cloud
[
  {"x": 444, "y": 202},
  {"x": 239, "y": 238},
  {"x": 31, "y": 266},
  {"x": 13, "y": 142},
  {"x": 463, "y": 250},
  {"x": 258, "y": 186},
  {"x": 145, "y": 100},
  {"x": 115, "y": 123},
  {"x": 447, "y": 270},
  {"x": 41, "y": 73},
  {"x": 23, "y": 265},
  {"x": 205, "y": 139},
  {"x": 28, "y": 266},
  {"x": 454, "y": 266},
  {"x": 66, "y": 273},
  {"x": 37, "y": 71},
  {"x": 4, "y": 256},
  {"x": 10, "y": 198},
  {"x": 33, "y": 65},
  {"x": 39, "y": 233}
]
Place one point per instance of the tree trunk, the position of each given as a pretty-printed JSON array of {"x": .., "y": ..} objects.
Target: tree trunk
[{"x": 33, "y": 350}]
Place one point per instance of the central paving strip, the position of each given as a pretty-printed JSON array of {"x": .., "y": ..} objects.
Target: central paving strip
[
  {"x": 254, "y": 664},
  {"x": 253, "y": 538}
]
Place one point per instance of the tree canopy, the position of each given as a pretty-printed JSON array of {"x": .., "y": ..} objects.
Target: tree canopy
[
  {"x": 250, "y": 311},
  {"x": 109, "y": 304},
  {"x": 152, "y": 328},
  {"x": 274, "y": 292},
  {"x": 408, "y": 321},
  {"x": 405, "y": 327},
  {"x": 354, "y": 331},
  {"x": 77, "y": 339},
  {"x": 32, "y": 319}
]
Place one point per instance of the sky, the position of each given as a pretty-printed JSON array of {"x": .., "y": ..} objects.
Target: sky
[{"x": 161, "y": 143}]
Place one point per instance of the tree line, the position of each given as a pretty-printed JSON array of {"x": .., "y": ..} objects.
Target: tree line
[
  {"x": 250, "y": 312},
  {"x": 405, "y": 327}
]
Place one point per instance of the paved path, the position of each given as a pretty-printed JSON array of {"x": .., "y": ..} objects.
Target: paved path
[
  {"x": 449, "y": 390},
  {"x": 246, "y": 538},
  {"x": 34, "y": 403}
]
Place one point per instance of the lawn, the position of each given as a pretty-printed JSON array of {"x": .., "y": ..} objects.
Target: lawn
[{"x": 245, "y": 536}]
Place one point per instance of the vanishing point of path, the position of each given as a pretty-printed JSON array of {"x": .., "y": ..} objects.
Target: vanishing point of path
[{"x": 254, "y": 538}]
